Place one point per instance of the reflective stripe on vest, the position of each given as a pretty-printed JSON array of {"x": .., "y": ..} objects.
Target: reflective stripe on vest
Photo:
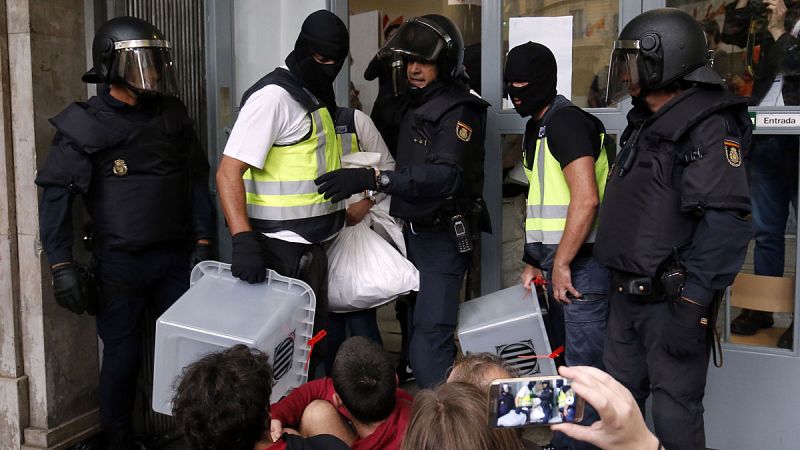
[
  {"x": 349, "y": 143},
  {"x": 548, "y": 194},
  {"x": 284, "y": 189}
]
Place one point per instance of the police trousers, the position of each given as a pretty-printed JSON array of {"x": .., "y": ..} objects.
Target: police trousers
[
  {"x": 432, "y": 348},
  {"x": 131, "y": 281},
  {"x": 634, "y": 356}
]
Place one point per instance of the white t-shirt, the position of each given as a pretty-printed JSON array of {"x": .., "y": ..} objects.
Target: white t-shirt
[{"x": 271, "y": 116}]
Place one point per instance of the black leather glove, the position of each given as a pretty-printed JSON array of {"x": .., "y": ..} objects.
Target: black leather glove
[
  {"x": 685, "y": 334},
  {"x": 73, "y": 289},
  {"x": 342, "y": 183},
  {"x": 248, "y": 261},
  {"x": 201, "y": 252}
]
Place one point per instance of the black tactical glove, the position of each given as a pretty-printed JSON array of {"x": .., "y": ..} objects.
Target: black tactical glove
[
  {"x": 201, "y": 252},
  {"x": 685, "y": 334},
  {"x": 249, "y": 263},
  {"x": 73, "y": 289},
  {"x": 342, "y": 183}
]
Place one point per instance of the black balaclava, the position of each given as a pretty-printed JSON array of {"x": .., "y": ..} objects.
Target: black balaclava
[
  {"x": 535, "y": 64},
  {"x": 324, "y": 33}
]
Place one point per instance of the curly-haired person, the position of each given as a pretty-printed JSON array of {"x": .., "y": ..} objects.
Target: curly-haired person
[{"x": 222, "y": 403}]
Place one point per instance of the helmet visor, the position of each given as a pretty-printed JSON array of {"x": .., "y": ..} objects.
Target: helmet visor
[
  {"x": 419, "y": 40},
  {"x": 147, "y": 69},
  {"x": 623, "y": 72}
]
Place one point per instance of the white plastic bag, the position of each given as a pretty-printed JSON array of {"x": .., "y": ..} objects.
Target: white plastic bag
[
  {"x": 387, "y": 227},
  {"x": 365, "y": 271}
]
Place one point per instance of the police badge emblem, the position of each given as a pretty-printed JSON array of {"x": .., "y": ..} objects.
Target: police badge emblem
[
  {"x": 732, "y": 153},
  {"x": 463, "y": 131},
  {"x": 120, "y": 169}
]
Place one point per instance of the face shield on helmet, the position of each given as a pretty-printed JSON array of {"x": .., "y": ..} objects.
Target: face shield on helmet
[
  {"x": 419, "y": 40},
  {"x": 145, "y": 66},
  {"x": 623, "y": 72}
]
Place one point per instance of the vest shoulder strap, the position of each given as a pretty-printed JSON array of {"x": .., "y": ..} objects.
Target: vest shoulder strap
[
  {"x": 285, "y": 79},
  {"x": 80, "y": 123},
  {"x": 697, "y": 105},
  {"x": 434, "y": 109},
  {"x": 345, "y": 121}
]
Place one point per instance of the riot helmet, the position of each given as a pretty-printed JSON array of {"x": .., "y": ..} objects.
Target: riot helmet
[
  {"x": 132, "y": 52},
  {"x": 431, "y": 38},
  {"x": 656, "y": 49}
]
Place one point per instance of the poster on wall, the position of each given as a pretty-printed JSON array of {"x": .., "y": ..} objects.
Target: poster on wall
[
  {"x": 553, "y": 32},
  {"x": 367, "y": 27}
]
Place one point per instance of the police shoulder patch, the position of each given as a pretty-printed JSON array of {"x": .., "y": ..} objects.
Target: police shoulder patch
[
  {"x": 463, "y": 131},
  {"x": 732, "y": 152}
]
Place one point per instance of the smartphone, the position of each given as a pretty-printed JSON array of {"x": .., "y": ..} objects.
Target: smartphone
[{"x": 532, "y": 401}]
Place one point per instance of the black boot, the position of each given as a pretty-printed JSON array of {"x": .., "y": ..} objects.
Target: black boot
[
  {"x": 787, "y": 338},
  {"x": 749, "y": 322}
]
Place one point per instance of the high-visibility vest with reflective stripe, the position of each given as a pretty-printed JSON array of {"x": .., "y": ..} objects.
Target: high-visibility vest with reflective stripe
[
  {"x": 346, "y": 130},
  {"x": 548, "y": 193},
  {"x": 284, "y": 188}
]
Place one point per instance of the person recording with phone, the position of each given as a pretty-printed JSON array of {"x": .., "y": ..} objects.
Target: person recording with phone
[
  {"x": 437, "y": 185},
  {"x": 767, "y": 30}
]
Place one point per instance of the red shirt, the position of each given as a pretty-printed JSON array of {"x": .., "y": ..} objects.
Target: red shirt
[{"x": 388, "y": 435}]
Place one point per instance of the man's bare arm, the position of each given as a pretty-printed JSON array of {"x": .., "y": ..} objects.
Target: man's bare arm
[
  {"x": 232, "y": 194},
  {"x": 581, "y": 213}
]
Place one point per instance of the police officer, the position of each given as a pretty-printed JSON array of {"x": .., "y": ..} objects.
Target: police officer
[
  {"x": 673, "y": 224},
  {"x": 437, "y": 185},
  {"x": 133, "y": 155},
  {"x": 282, "y": 140},
  {"x": 766, "y": 31}
]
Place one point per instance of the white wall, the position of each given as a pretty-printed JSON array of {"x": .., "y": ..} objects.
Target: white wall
[{"x": 265, "y": 32}]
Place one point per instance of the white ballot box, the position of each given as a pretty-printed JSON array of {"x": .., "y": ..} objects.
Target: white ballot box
[
  {"x": 507, "y": 323},
  {"x": 219, "y": 311}
]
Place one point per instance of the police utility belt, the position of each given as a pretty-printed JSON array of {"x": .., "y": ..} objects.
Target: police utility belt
[{"x": 668, "y": 283}]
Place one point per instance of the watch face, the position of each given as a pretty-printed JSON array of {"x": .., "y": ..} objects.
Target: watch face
[{"x": 383, "y": 179}]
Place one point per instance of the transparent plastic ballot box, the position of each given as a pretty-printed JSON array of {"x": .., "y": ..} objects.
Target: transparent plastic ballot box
[
  {"x": 219, "y": 311},
  {"x": 507, "y": 323}
]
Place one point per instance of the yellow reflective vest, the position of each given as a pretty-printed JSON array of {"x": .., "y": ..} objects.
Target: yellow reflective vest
[{"x": 548, "y": 192}]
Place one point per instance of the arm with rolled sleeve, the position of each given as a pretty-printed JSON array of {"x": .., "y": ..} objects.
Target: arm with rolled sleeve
[{"x": 716, "y": 184}]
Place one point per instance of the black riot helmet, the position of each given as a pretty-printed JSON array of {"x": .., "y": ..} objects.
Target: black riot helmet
[
  {"x": 132, "y": 52},
  {"x": 657, "y": 48},
  {"x": 431, "y": 38}
]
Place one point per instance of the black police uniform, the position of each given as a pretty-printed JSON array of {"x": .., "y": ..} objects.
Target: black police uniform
[
  {"x": 677, "y": 188},
  {"x": 439, "y": 173},
  {"x": 143, "y": 177}
]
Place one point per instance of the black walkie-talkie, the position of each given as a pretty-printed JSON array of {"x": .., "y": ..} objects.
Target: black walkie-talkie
[{"x": 461, "y": 233}]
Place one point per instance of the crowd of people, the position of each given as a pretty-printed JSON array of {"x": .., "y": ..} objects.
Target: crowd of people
[{"x": 627, "y": 242}]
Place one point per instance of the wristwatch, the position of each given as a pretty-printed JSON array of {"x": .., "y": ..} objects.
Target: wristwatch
[{"x": 382, "y": 181}]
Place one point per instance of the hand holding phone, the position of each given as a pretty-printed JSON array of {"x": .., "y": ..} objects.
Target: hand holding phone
[
  {"x": 531, "y": 401},
  {"x": 621, "y": 425}
]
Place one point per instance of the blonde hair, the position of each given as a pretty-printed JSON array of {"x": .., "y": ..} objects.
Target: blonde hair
[
  {"x": 478, "y": 369},
  {"x": 454, "y": 416}
]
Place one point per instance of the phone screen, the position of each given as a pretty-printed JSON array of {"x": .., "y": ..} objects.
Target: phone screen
[{"x": 531, "y": 401}]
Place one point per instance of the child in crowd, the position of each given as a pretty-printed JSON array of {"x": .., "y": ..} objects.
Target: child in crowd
[
  {"x": 222, "y": 403},
  {"x": 360, "y": 403}
]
